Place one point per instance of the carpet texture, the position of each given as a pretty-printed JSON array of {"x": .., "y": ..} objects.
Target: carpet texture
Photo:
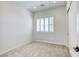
[{"x": 38, "y": 49}]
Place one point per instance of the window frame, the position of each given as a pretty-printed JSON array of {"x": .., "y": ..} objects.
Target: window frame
[{"x": 44, "y": 24}]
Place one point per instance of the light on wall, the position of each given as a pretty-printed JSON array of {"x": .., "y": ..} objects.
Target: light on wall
[
  {"x": 54, "y": 1},
  {"x": 34, "y": 7},
  {"x": 77, "y": 23}
]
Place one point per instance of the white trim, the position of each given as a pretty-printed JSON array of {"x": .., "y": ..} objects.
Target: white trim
[
  {"x": 13, "y": 48},
  {"x": 44, "y": 24},
  {"x": 45, "y": 41}
]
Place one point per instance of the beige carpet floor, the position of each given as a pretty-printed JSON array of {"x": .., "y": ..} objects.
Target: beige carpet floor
[{"x": 38, "y": 49}]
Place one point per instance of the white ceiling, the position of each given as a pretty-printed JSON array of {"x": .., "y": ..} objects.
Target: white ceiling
[{"x": 35, "y": 5}]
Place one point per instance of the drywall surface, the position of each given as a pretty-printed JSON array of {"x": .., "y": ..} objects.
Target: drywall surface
[
  {"x": 15, "y": 27},
  {"x": 59, "y": 36}
]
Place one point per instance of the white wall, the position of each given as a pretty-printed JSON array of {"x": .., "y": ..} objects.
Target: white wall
[
  {"x": 15, "y": 27},
  {"x": 73, "y": 34},
  {"x": 59, "y": 36}
]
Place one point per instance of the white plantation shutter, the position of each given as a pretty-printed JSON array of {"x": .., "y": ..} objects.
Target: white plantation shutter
[{"x": 45, "y": 24}]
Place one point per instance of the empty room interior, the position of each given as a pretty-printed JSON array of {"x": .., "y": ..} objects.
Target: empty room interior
[{"x": 39, "y": 29}]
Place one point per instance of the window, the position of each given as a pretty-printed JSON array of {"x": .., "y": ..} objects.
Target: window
[
  {"x": 45, "y": 24},
  {"x": 51, "y": 24},
  {"x": 38, "y": 25},
  {"x": 42, "y": 25}
]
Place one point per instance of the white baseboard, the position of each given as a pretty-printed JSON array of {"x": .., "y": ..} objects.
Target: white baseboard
[
  {"x": 43, "y": 41},
  {"x": 14, "y": 48},
  {"x": 49, "y": 42}
]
